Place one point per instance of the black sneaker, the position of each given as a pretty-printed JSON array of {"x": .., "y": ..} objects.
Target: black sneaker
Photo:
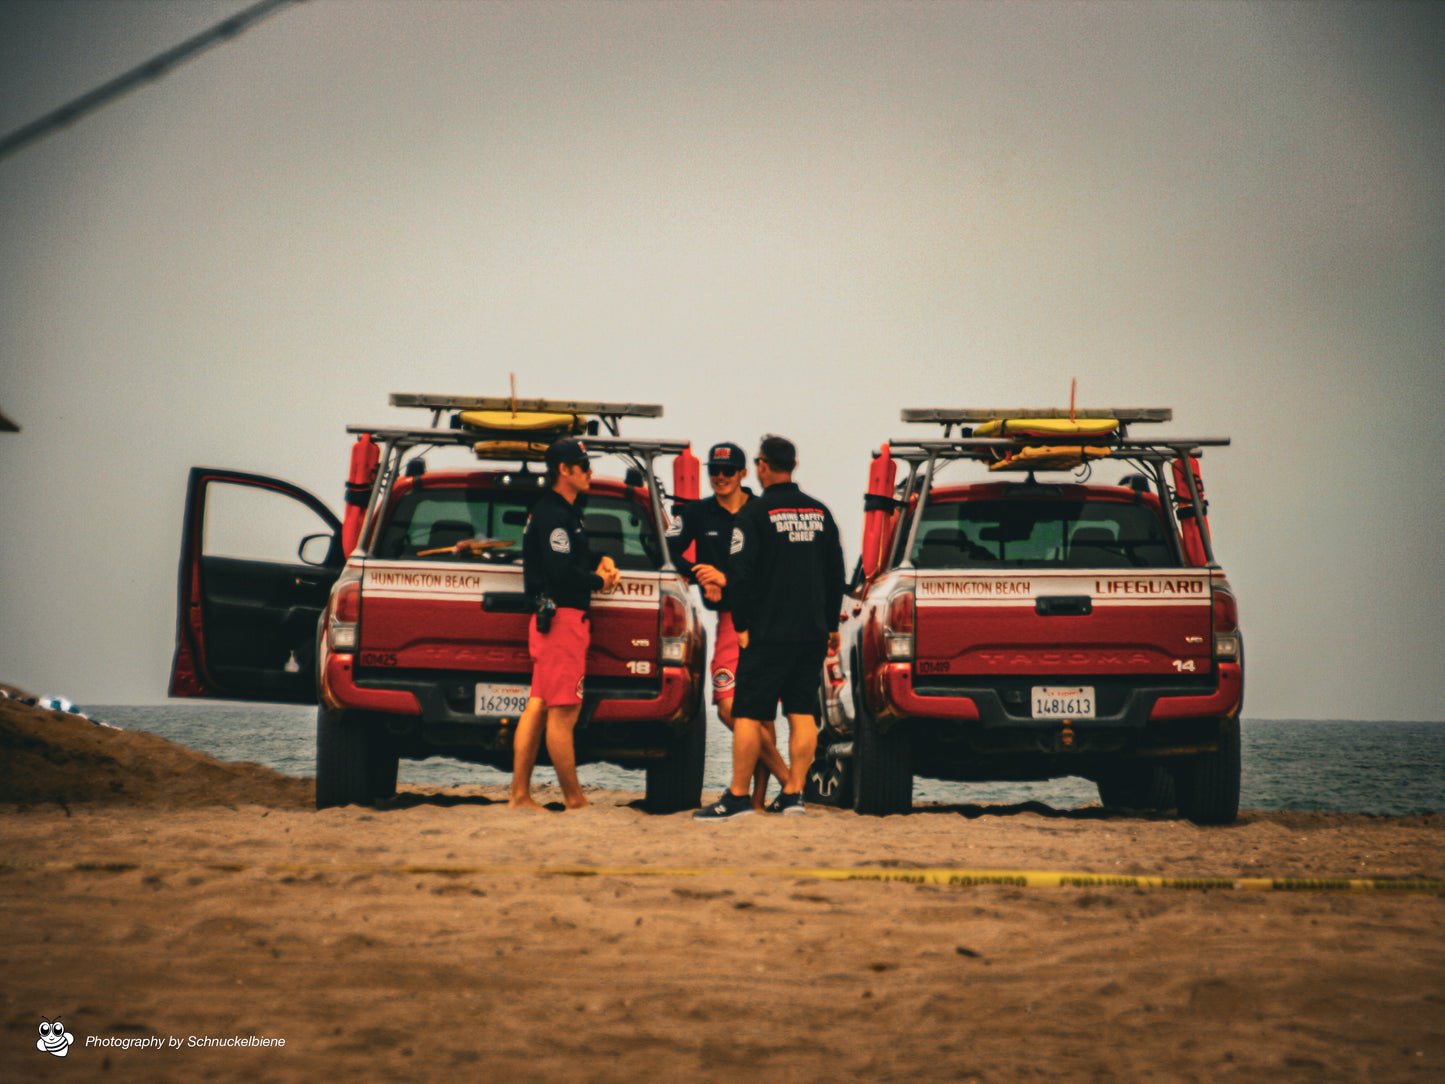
[
  {"x": 787, "y": 803},
  {"x": 729, "y": 805}
]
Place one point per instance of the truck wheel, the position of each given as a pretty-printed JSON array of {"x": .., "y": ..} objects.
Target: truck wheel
[
  {"x": 1137, "y": 785},
  {"x": 675, "y": 782},
  {"x": 345, "y": 766},
  {"x": 882, "y": 768},
  {"x": 382, "y": 763},
  {"x": 1207, "y": 785}
]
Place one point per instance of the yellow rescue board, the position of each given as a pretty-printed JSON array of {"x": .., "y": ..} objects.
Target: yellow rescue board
[
  {"x": 1051, "y": 457},
  {"x": 510, "y": 449},
  {"x": 1047, "y": 428},
  {"x": 521, "y": 422}
]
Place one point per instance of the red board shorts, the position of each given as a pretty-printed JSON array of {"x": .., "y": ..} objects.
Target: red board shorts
[
  {"x": 725, "y": 659},
  {"x": 559, "y": 659}
]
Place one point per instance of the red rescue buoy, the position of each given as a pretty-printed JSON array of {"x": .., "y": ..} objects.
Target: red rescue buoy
[
  {"x": 880, "y": 512},
  {"x": 1192, "y": 532},
  {"x": 364, "y": 457}
]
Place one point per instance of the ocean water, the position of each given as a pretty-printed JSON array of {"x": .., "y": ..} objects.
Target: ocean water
[{"x": 1317, "y": 765}]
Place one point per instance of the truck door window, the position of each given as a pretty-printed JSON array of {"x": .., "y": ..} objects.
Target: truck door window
[{"x": 256, "y": 524}]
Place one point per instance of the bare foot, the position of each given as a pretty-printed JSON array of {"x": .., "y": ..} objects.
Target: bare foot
[
  {"x": 527, "y": 802},
  {"x": 578, "y": 803}
]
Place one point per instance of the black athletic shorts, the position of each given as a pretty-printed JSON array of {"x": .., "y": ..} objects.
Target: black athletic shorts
[{"x": 770, "y": 671}]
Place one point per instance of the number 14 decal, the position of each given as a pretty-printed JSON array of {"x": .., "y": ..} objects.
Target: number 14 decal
[{"x": 1183, "y": 665}]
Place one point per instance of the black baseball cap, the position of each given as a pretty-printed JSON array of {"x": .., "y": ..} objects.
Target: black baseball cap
[
  {"x": 567, "y": 451},
  {"x": 728, "y": 457}
]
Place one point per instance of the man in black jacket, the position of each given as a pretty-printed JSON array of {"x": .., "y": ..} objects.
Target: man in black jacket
[
  {"x": 559, "y": 575},
  {"x": 787, "y": 585},
  {"x": 707, "y": 525}
]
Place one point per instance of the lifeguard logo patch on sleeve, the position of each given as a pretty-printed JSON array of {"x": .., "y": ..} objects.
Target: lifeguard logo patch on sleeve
[
  {"x": 736, "y": 546},
  {"x": 723, "y": 679},
  {"x": 559, "y": 541}
]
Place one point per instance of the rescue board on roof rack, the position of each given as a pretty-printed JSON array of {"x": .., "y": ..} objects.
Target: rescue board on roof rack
[
  {"x": 948, "y": 415},
  {"x": 525, "y": 434},
  {"x": 1048, "y": 428},
  {"x": 521, "y": 429},
  {"x": 1059, "y": 439}
]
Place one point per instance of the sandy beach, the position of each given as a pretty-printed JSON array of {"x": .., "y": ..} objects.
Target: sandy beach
[{"x": 155, "y": 896}]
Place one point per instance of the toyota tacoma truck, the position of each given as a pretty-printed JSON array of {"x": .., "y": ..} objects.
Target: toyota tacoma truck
[
  {"x": 405, "y": 620},
  {"x": 1018, "y": 625}
]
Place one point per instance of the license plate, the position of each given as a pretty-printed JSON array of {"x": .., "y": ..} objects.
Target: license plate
[
  {"x": 1063, "y": 701},
  {"x": 501, "y": 699}
]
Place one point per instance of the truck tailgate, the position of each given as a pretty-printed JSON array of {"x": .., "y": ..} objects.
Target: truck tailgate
[
  {"x": 1063, "y": 623},
  {"x": 453, "y": 616}
]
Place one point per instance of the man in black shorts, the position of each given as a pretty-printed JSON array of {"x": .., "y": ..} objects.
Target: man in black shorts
[
  {"x": 707, "y": 525},
  {"x": 787, "y": 584}
]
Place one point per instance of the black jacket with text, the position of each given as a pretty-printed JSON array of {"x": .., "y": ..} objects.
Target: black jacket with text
[
  {"x": 555, "y": 558},
  {"x": 787, "y": 567},
  {"x": 708, "y": 524}
]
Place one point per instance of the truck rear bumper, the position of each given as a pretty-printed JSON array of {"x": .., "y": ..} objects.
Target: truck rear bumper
[
  {"x": 427, "y": 699},
  {"x": 1142, "y": 705}
]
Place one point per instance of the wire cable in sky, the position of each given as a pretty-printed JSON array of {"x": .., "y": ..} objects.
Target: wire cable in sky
[{"x": 148, "y": 72}]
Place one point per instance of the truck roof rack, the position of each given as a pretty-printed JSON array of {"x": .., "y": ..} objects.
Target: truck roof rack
[
  {"x": 607, "y": 412},
  {"x": 409, "y": 438},
  {"x": 968, "y": 415},
  {"x": 990, "y": 448}
]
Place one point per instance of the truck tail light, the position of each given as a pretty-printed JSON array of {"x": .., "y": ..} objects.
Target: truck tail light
[
  {"x": 1226, "y": 624},
  {"x": 672, "y": 626},
  {"x": 898, "y": 627},
  {"x": 344, "y": 628}
]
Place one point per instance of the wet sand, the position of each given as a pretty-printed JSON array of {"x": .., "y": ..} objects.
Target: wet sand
[{"x": 149, "y": 891}]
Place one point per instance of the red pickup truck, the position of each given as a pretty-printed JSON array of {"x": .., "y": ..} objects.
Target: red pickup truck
[
  {"x": 1028, "y": 629},
  {"x": 406, "y": 622}
]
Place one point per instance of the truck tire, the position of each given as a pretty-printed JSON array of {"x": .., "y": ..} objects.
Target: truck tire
[
  {"x": 882, "y": 767},
  {"x": 1143, "y": 785},
  {"x": 830, "y": 779},
  {"x": 1207, "y": 785},
  {"x": 674, "y": 783},
  {"x": 346, "y": 770},
  {"x": 382, "y": 762}
]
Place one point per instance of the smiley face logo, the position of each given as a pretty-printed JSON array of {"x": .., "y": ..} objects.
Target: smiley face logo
[{"x": 54, "y": 1039}]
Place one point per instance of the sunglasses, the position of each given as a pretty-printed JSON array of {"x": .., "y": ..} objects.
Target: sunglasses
[{"x": 720, "y": 472}]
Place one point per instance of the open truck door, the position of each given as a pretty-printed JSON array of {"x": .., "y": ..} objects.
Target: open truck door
[{"x": 259, "y": 557}]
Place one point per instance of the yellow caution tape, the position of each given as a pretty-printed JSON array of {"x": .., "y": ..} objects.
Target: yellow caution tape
[{"x": 963, "y": 878}]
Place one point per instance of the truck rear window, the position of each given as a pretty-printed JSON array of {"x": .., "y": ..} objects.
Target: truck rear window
[
  {"x": 439, "y": 517},
  {"x": 1042, "y": 534}
]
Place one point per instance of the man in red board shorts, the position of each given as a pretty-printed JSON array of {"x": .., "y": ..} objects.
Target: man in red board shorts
[
  {"x": 559, "y": 576},
  {"x": 787, "y": 585},
  {"x": 708, "y": 525}
]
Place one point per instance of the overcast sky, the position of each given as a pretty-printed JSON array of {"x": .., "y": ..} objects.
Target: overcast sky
[{"x": 767, "y": 217}]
